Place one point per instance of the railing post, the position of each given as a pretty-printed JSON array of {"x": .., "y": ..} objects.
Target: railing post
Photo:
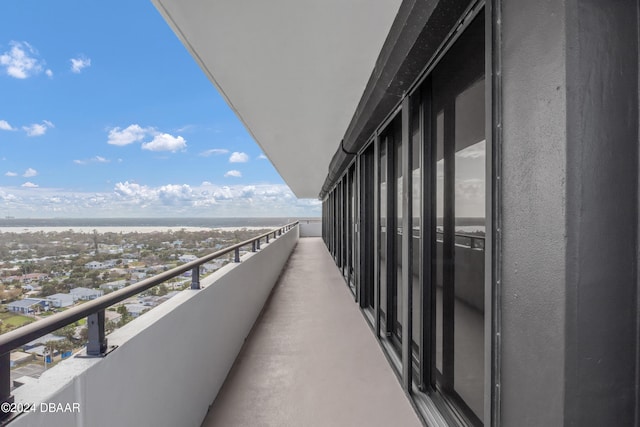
[
  {"x": 195, "y": 277},
  {"x": 5, "y": 383},
  {"x": 253, "y": 246},
  {"x": 258, "y": 244},
  {"x": 97, "y": 345},
  {"x": 236, "y": 257}
]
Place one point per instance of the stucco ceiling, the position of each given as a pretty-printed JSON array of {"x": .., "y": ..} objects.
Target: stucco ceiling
[{"x": 292, "y": 70}]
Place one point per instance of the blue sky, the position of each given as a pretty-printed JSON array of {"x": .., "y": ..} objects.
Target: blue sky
[{"x": 104, "y": 113}]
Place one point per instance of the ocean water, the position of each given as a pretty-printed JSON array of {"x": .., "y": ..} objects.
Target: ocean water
[{"x": 19, "y": 225}]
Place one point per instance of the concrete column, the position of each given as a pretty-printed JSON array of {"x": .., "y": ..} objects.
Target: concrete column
[{"x": 569, "y": 213}]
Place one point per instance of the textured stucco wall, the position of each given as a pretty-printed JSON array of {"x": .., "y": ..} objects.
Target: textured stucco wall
[
  {"x": 534, "y": 213},
  {"x": 569, "y": 213}
]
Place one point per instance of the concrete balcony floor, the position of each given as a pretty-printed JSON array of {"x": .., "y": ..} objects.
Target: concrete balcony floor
[{"x": 311, "y": 359}]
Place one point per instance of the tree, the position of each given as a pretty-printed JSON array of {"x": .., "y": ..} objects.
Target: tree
[
  {"x": 95, "y": 240},
  {"x": 68, "y": 331},
  {"x": 84, "y": 336},
  {"x": 26, "y": 268},
  {"x": 162, "y": 290},
  {"x": 124, "y": 315}
]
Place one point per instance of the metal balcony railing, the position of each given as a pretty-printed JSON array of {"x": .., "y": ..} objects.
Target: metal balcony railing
[
  {"x": 95, "y": 311},
  {"x": 473, "y": 241}
]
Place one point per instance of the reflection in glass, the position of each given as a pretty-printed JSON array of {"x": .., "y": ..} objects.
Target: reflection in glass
[
  {"x": 352, "y": 228},
  {"x": 439, "y": 273},
  {"x": 416, "y": 200},
  {"x": 399, "y": 193},
  {"x": 469, "y": 210},
  {"x": 383, "y": 229}
]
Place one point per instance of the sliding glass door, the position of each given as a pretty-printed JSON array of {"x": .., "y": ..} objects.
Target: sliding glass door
[{"x": 458, "y": 118}]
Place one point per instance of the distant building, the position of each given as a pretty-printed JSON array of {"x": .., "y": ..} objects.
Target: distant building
[
  {"x": 112, "y": 286},
  {"x": 27, "y": 278},
  {"x": 61, "y": 300},
  {"x": 110, "y": 263},
  {"x": 95, "y": 265},
  {"x": 86, "y": 294},
  {"x": 28, "y": 305},
  {"x": 18, "y": 357},
  {"x": 41, "y": 341},
  {"x": 34, "y": 277},
  {"x": 187, "y": 258},
  {"x": 136, "y": 310},
  {"x": 30, "y": 288},
  {"x": 137, "y": 276}
]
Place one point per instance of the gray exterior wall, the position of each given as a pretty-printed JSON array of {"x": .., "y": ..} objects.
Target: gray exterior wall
[
  {"x": 568, "y": 164},
  {"x": 569, "y": 213},
  {"x": 602, "y": 216},
  {"x": 533, "y": 213}
]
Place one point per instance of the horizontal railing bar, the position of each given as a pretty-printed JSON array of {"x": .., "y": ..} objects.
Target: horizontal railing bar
[
  {"x": 471, "y": 236},
  {"x": 14, "y": 339}
]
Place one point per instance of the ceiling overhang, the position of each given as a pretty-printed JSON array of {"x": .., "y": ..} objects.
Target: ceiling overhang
[{"x": 292, "y": 70}]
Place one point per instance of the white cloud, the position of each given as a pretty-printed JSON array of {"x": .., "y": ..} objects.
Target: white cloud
[
  {"x": 49, "y": 73},
  {"x": 38, "y": 129},
  {"x": 186, "y": 128},
  {"x": 35, "y": 129},
  {"x": 136, "y": 133},
  {"x": 96, "y": 159},
  {"x": 21, "y": 60},
  {"x": 132, "y": 133},
  {"x": 233, "y": 173},
  {"x": 136, "y": 200},
  {"x": 77, "y": 64},
  {"x": 262, "y": 157},
  {"x": 9, "y": 173},
  {"x": 4, "y": 125},
  {"x": 214, "y": 152},
  {"x": 30, "y": 185},
  {"x": 237, "y": 157},
  {"x": 474, "y": 151},
  {"x": 165, "y": 142},
  {"x": 30, "y": 172}
]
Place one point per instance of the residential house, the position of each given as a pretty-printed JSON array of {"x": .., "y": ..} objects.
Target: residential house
[
  {"x": 95, "y": 265},
  {"x": 28, "y": 305},
  {"x": 115, "y": 285},
  {"x": 187, "y": 258},
  {"x": 33, "y": 278},
  {"x": 43, "y": 340},
  {"x": 61, "y": 300},
  {"x": 86, "y": 294},
  {"x": 136, "y": 310}
]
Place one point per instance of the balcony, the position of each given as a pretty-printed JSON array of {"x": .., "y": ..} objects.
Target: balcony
[{"x": 309, "y": 359}]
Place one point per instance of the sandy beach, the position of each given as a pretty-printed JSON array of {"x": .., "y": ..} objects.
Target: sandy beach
[{"x": 121, "y": 229}]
